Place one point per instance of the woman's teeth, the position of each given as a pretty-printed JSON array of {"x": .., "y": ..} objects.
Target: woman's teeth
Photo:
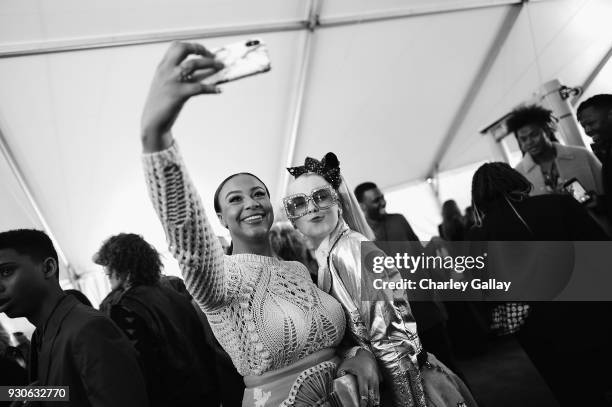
[{"x": 253, "y": 219}]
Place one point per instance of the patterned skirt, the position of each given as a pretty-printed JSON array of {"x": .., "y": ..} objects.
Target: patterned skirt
[{"x": 306, "y": 383}]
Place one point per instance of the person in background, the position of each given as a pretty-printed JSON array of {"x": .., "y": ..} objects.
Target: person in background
[
  {"x": 467, "y": 322},
  {"x": 160, "y": 322},
  {"x": 548, "y": 331},
  {"x": 547, "y": 164},
  {"x": 290, "y": 245},
  {"x": 430, "y": 316},
  {"x": 229, "y": 383},
  {"x": 453, "y": 226},
  {"x": 73, "y": 345},
  {"x": 386, "y": 226},
  {"x": 595, "y": 116},
  {"x": 11, "y": 373}
]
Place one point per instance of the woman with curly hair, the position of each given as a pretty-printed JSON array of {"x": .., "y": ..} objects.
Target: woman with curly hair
[{"x": 160, "y": 322}]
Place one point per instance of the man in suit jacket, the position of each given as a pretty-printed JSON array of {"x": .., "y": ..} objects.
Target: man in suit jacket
[{"x": 73, "y": 345}]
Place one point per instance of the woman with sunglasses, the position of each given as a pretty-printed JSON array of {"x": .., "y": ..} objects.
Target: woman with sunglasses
[
  {"x": 280, "y": 330},
  {"x": 321, "y": 206}
]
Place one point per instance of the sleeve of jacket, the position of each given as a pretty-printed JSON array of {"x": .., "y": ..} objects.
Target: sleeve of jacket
[
  {"x": 108, "y": 366},
  {"x": 387, "y": 317}
]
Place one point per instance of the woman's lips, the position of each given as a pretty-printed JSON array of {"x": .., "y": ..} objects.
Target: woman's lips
[
  {"x": 317, "y": 218},
  {"x": 253, "y": 219}
]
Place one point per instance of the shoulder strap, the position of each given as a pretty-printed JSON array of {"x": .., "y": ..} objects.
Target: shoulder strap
[{"x": 518, "y": 215}]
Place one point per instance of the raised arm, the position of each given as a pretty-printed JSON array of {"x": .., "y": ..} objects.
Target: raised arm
[
  {"x": 176, "y": 201},
  {"x": 175, "y": 81}
]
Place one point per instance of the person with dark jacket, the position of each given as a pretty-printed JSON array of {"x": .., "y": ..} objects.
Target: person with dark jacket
[
  {"x": 595, "y": 116},
  {"x": 73, "y": 345},
  {"x": 568, "y": 342},
  {"x": 161, "y": 323}
]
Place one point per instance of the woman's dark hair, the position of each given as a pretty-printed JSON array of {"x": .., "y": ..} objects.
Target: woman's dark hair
[
  {"x": 216, "y": 197},
  {"x": 494, "y": 181},
  {"x": 130, "y": 255},
  {"x": 450, "y": 210}
]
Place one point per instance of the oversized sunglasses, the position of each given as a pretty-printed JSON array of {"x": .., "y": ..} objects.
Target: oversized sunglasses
[{"x": 296, "y": 205}]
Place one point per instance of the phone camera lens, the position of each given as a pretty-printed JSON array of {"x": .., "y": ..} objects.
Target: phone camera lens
[{"x": 252, "y": 43}]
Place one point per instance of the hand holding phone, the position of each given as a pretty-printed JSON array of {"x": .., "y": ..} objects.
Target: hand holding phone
[
  {"x": 241, "y": 59},
  {"x": 575, "y": 189}
]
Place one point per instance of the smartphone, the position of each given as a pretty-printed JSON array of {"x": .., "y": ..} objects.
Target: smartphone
[
  {"x": 241, "y": 59},
  {"x": 575, "y": 188}
]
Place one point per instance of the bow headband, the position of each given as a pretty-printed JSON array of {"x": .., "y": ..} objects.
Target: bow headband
[{"x": 328, "y": 168}]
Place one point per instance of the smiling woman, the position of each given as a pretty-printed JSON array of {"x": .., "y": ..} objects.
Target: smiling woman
[
  {"x": 282, "y": 333},
  {"x": 242, "y": 203}
]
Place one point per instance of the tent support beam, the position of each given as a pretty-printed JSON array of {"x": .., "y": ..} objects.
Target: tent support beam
[
  {"x": 476, "y": 85},
  {"x": 10, "y": 159},
  {"x": 421, "y": 11},
  {"x": 298, "y": 101},
  {"x": 592, "y": 76},
  {"x": 123, "y": 40}
]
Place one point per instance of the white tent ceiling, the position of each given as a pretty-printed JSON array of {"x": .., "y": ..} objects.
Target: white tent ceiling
[{"x": 395, "y": 88}]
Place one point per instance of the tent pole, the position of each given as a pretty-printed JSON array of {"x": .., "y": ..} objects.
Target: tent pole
[
  {"x": 476, "y": 85},
  {"x": 592, "y": 76},
  {"x": 123, "y": 40},
  {"x": 298, "y": 101},
  {"x": 10, "y": 159},
  {"x": 412, "y": 12}
]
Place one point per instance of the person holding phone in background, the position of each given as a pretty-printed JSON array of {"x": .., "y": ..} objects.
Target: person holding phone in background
[{"x": 550, "y": 166}]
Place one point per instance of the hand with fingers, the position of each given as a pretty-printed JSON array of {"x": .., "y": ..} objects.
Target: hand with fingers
[
  {"x": 364, "y": 367},
  {"x": 176, "y": 79}
]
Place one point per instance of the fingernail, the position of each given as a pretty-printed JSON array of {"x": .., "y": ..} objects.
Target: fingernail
[
  {"x": 219, "y": 65},
  {"x": 218, "y": 90}
]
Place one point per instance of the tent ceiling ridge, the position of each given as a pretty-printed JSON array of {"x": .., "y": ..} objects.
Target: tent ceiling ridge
[
  {"x": 477, "y": 83},
  {"x": 129, "y": 39},
  {"x": 22, "y": 49},
  {"x": 376, "y": 16}
]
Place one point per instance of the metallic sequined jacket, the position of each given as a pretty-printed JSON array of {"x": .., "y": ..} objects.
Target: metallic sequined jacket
[{"x": 387, "y": 327}]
